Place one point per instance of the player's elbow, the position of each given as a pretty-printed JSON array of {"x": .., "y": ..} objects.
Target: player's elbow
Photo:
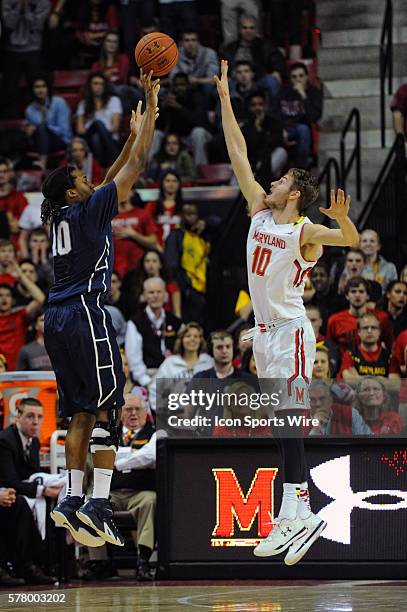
[{"x": 353, "y": 243}]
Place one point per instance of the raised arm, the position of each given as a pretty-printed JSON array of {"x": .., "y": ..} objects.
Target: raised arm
[
  {"x": 346, "y": 235},
  {"x": 138, "y": 155},
  {"x": 236, "y": 145}
]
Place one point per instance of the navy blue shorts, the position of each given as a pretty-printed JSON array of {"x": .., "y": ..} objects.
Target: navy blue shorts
[{"x": 81, "y": 342}]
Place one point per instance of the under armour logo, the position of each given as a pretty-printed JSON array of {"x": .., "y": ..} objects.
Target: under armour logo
[
  {"x": 153, "y": 49},
  {"x": 333, "y": 479}
]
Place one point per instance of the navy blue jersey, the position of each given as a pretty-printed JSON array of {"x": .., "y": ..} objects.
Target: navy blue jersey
[{"x": 82, "y": 246}]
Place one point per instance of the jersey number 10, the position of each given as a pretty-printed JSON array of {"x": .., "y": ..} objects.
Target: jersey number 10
[
  {"x": 261, "y": 259},
  {"x": 61, "y": 242}
]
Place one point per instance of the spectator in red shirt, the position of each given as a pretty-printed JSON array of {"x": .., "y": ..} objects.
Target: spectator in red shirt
[
  {"x": 11, "y": 201},
  {"x": 399, "y": 355},
  {"x": 399, "y": 109},
  {"x": 367, "y": 357},
  {"x": 14, "y": 321},
  {"x": 133, "y": 231},
  {"x": 115, "y": 66},
  {"x": 7, "y": 262},
  {"x": 167, "y": 209},
  {"x": 342, "y": 326},
  {"x": 372, "y": 401},
  {"x": 79, "y": 155}
]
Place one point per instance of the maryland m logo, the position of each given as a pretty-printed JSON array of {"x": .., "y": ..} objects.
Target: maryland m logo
[{"x": 233, "y": 506}]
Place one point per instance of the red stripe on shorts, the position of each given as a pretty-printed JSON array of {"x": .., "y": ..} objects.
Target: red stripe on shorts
[{"x": 296, "y": 361}]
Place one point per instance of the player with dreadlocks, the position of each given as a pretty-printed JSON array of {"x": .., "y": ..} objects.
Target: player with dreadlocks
[{"x": 79, "y": 335}]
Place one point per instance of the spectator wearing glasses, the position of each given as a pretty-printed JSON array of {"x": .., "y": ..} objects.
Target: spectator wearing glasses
[
  {"x": 300, "y": 105},
  {"x": 367, "y": 357}
]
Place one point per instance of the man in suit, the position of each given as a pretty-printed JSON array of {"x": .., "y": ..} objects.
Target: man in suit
[{"x": 19, "y": 458}]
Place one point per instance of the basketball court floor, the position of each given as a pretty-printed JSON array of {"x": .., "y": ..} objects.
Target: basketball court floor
[{"x": 260, "y": 596}]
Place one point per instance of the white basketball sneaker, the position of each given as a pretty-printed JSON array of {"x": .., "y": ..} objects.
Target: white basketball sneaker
[
  {"x": 314, "y": 527},
  {"x": 284, "y": 533}
]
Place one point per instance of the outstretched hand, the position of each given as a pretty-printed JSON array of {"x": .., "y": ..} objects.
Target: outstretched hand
[
  {"x": 222, "y": 84},
  {"x": 151, "y": 89},
  {"x": 135, "y": 119},
  {"x": 339, "y": 208}
]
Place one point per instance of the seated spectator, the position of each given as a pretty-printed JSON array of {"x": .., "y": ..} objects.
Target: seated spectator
[
  {"x": 342, "y": 326},
  {"x": 134, "y": 231},
  {"x": 186, "y": 253},
  {"x": 372, "y": 402},
  {"x": 79, "y": 156},
  {"x": 241, "y": 347},
  {"x": 230, "y": 13},
  {"x": 314, "y": 315},
  {"x": 183, "y": 113},
  {"x": 198, "y": 62},
  {"x": 95, "y": 18},
  {"x": 115, "y": 66},
  {"x": 116, "y": 297},
  {"x": 19, "y": 459},
  {"x": 221, "y": 348},
  {"x": 48, "y": 120},
  {"x": 376, "y": 268},
  {"x": 38, "y": 248},
  {"x": 300, "y": 105},
  {"x": 367, "y": 357},
  {"x": 322, "y": 294},
  {"x": 399, "y": 110},
  {"x": 355, "y": 261},
  {"x": 150, "y": 335},
  {"x": 98, "y": 119},
  {"x": 264, "y": 140},
  {"x": 172, "y": 156},
  {"x": 285, "y": 25},
  {"x": 167, "y": 209},
  {"x": 33, "y": 356},
  {"x": 321, "y": 369},
  {"x": 24, "y": 24},
  {"x": 12, "y": 203},
  {"x": 8, "y": 262},
  {"x": 14, "y": 321},
  {"x": 334, "y": 419},
  {"x": 396, "y": 294},
  {"x": 236, "y": 409},
  {"x": 267, "y": 60},
  {"x": 176, "y": 16},
  {"x": 189, "y": 358},
  {"x": 152, "y": 265},
  {"x": 119, "y": 323},
  {"x": 21, "y": 295}
]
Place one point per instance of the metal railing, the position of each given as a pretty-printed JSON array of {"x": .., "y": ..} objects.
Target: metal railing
[
  {"x": 386, "y": 207},
  {"x": 326, "y": 178},
  {"x": 386, "y": 65},
  {"x": 347, "y": 164}
]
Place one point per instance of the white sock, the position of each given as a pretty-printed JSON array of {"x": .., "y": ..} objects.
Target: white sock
[
  {"x": 289, "y": 503},
  {"x": 101, "y": 482},
  {"x": 75, "y": 480},
  {"x": 304, "y": 507}
]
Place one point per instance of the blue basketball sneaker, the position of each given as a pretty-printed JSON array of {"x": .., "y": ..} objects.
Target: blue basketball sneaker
[
  {"x": 97, "y": 513},
  {"x": 64, "y": 514}
]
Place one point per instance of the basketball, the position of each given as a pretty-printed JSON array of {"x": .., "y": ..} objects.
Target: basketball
[{"x": 157, "y": 52}]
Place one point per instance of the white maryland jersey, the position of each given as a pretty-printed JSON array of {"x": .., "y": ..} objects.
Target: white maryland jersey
[{"x": 276, "y": 268}]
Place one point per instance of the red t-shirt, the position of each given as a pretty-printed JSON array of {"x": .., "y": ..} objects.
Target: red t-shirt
[
  {"x": 372, "y": 357},
  {"x": 342, "y": 327},
  {"x": 399, "y": 103},
  {"x": 397, "y": 360},
  {"x": 116, "y": 73},
  {"x": 8, "y": 279},
  {"x": 127, "y": 253},
  {"x": 389, "y": 422},
  {"x": 13, "y": 331},
  {"x": 14, "y": 203},
  {"x": 165, "y": 222}
]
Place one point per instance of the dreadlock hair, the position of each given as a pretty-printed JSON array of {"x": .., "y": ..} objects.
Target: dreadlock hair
[
  {"x": 307, "y": 185},
  {"x": 53, "y": 189}
]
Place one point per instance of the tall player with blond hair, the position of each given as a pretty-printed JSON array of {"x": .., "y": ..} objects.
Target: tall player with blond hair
[{"x": 283, "y": 245}]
